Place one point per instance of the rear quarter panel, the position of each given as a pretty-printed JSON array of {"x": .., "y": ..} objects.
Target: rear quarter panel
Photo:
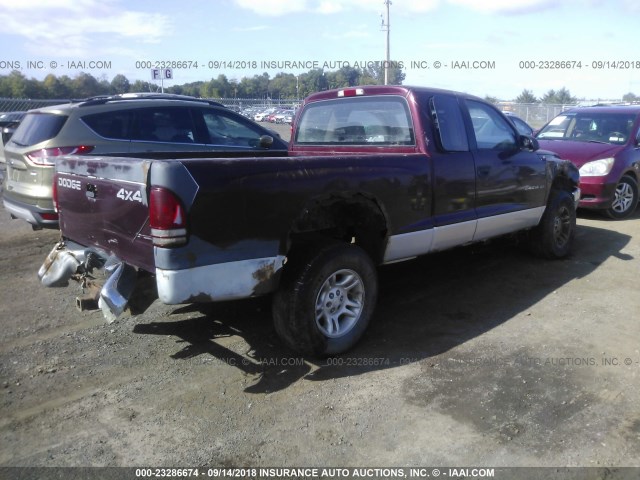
[{"x": 247, "y": 208}]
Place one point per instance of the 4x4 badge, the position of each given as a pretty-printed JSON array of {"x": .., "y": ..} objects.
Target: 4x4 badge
[{"x": 130, "y": 195}]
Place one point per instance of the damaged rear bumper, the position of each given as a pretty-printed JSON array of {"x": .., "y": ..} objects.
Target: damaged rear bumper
[
  {"x": 108, "y": 282},
  {"x": 110, "y": 290}
]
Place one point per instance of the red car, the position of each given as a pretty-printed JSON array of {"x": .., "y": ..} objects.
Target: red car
[{"x": 604, "y": 143}]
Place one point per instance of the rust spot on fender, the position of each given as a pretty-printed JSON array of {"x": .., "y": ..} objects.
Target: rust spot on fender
[
  {"x": 265, "y": 277},
  {"x": 264, "y": 273}
]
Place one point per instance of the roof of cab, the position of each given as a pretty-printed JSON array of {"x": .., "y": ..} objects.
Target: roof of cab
[{"x": 366, "y": 90}]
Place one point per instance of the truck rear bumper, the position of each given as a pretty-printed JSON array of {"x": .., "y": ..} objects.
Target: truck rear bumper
[
  {"x": 209, "y": 283},
  {"x": 221, "y": 281},
  {"x": 71, "y": 260}
]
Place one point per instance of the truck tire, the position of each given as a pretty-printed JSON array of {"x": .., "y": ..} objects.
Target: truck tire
[
  {"x": 325, "y": 300},
  {"x": 625, "y": 199},
  {"x": 553, "y": 237}
]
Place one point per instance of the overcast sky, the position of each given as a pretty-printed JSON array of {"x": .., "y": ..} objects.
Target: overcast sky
[{"x": 482, "y": 45}]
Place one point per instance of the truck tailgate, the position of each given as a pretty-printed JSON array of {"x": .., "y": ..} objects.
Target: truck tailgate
[{"x": 103, "y": 203}]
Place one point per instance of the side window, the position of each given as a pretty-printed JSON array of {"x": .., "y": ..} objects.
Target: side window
[
  {"x": 164, "y": 124},
  {"x": 226, "y": 130},
  {"x": 447, "y": 120},
  {"x": 115, "y": 125},
  {"x": 492, "y": 131}
]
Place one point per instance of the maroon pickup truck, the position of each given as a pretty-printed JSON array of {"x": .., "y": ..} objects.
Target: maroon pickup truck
[{"x": 374, "y": 175}]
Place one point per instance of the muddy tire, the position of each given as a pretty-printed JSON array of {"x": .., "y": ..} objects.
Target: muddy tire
[
  {"x": 553, "y": 237},
  {"x": 325, "y": 300},
  {"x": 625, "y": 199}
]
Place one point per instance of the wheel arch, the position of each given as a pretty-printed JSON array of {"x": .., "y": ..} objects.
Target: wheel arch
[
  {"x": 344, "y": 217},
  {"x": 565, "y": 177}
]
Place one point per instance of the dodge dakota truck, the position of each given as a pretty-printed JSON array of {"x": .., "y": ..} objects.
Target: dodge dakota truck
[{"x": 374, "y": 175}]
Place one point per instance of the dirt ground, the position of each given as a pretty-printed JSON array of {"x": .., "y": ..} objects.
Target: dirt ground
[{"x": 481, "y": 356}]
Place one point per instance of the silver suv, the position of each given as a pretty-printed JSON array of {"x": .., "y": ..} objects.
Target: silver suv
[{"x": 127, "y": 124}]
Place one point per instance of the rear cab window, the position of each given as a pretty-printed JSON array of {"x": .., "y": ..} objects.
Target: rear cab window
[
  {"x": 37, "y": 128},
  {"x": 367, "y": 121}
]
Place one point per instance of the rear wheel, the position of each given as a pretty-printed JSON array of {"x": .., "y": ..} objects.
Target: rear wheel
[
  {"x": 553, "y": 236},
  {"x": 625, "y": 199},
  {"x": 325, "y": 300}
]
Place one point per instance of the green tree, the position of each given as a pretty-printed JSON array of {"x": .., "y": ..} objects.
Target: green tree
[
  {"x": 348, "y": 77},
  {"x": 86, "y": 85},
  {"x": 283, "y": 85},
  {"x": 375, "y": 71},
  {"x": 140, "y": 86},
  {"x": 314, "y": 81},
  {"x": 630, "y": 97},
  {"x": 561, "y": 97},
  {"x": 17, "y": 84},
  {"x": 56, "y": 87},
  {"x": 491, "y": 99},
  {"x": 120, "y": 84},
  {"x": 526, "y": 96}
]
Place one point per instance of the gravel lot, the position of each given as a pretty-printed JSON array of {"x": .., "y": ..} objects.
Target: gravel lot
[{"x": 482, "y": 356}]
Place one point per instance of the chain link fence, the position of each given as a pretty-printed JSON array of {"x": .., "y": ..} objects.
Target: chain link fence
[
  {"x": 23, "y": 104},
  {"x": 534, "y": 114}
]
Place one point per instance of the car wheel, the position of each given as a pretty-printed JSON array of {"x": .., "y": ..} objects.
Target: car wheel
[
  {"x": 553, "y": 236},
  {"x": 625, "y": 199},
  {"x": 326, "y": 299}
]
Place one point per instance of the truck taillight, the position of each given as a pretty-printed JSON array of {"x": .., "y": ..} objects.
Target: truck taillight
[{"x": 167, "y": 218}]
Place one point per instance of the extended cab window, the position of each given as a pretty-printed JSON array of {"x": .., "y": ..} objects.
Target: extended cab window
[
  {"x": 381, "y": 120},
  {"x": 448, "y": 123},
  {"x": 492, "y": 130}
]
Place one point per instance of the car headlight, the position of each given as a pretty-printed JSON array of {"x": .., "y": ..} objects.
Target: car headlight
[{"x": 597, "y": 168}]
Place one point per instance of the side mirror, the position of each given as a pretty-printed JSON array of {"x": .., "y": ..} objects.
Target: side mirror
[
  {"x": 529, "y": 143},
  {"x": 266, "y": 141}
]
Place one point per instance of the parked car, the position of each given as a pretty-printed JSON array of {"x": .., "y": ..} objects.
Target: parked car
[
  {"x": 123, "y": 124},
  {"x": 523, "y": 127},
  {"x": 9, "y": 121},
  {"x": 288, "y": 118},
  {"x": 283, "y": 116},
  {"x": 271, "y": 118},
  {"x": 604, "y": 143},
  {"x": 262, "y": 116}
]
